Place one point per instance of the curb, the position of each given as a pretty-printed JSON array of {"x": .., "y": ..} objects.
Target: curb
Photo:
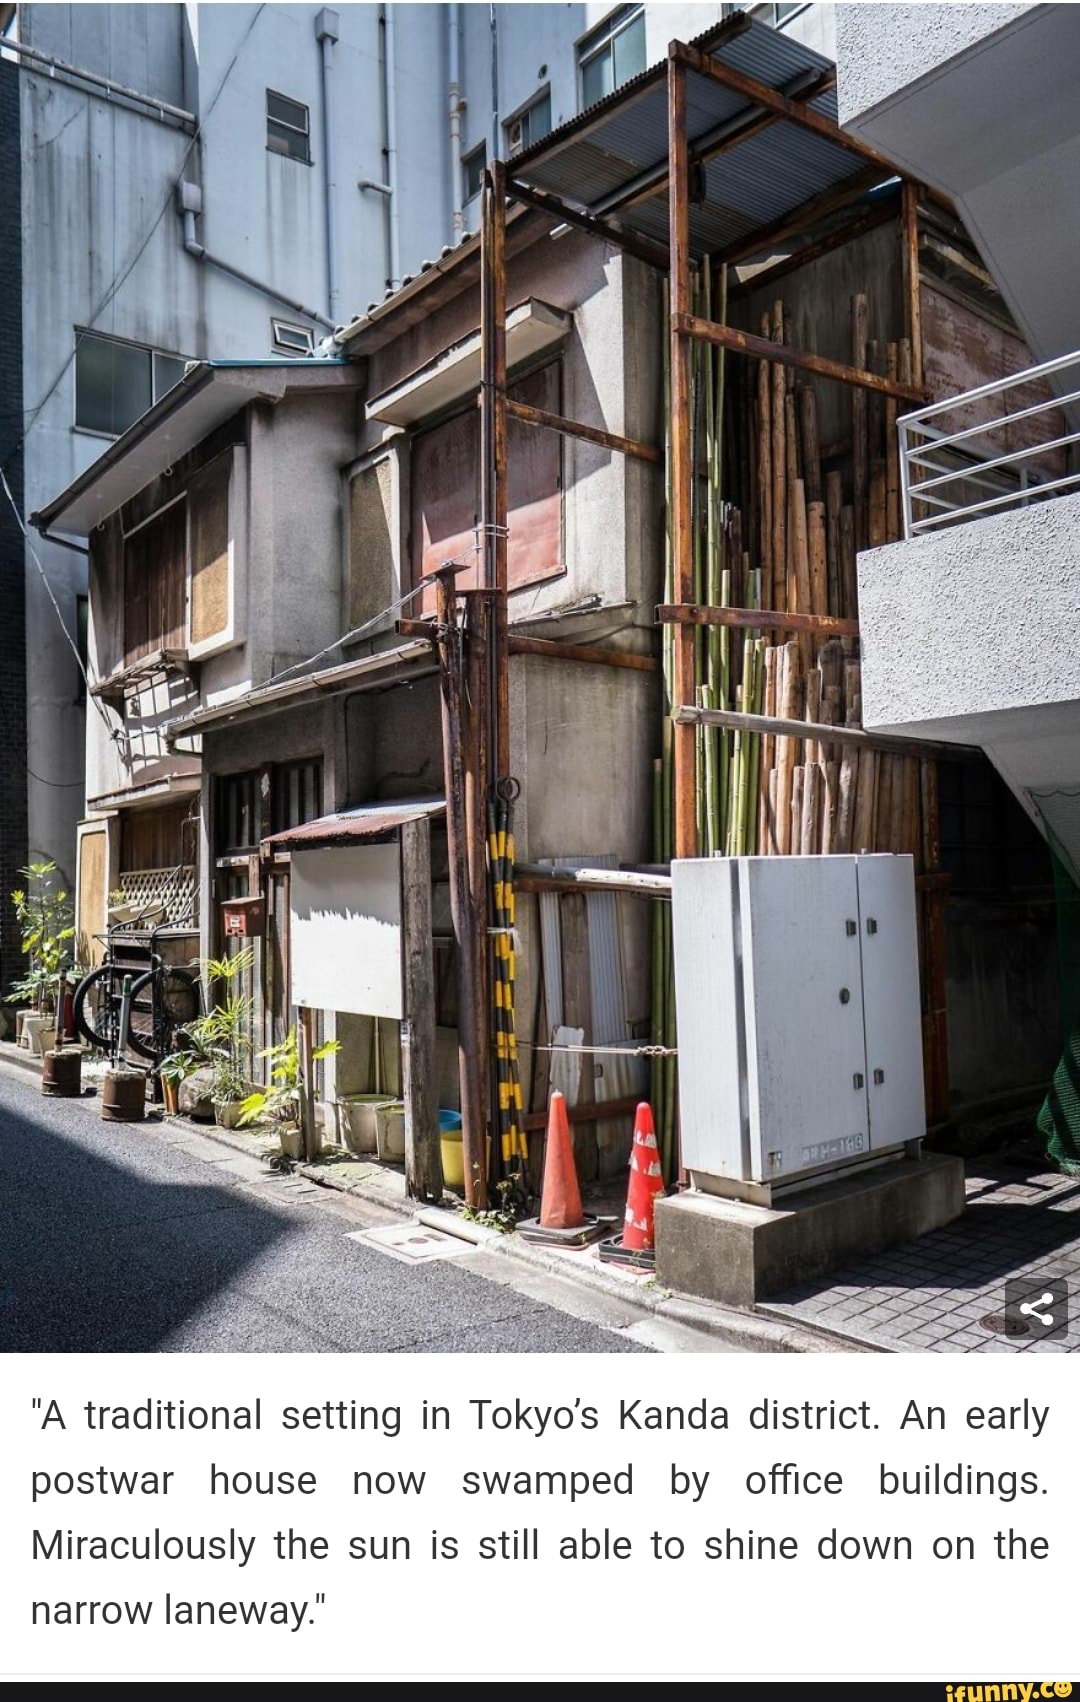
[{"x": 751, "y": 1330}]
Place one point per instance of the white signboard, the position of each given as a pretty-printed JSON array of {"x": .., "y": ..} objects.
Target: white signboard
[{"x": 345, "y": 905}]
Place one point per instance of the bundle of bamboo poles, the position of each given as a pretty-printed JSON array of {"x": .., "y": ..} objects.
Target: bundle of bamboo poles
[{"x": 778, "y": 519}]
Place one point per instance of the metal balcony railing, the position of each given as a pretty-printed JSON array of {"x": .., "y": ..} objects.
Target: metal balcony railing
[{"x": 964, "y": 457}]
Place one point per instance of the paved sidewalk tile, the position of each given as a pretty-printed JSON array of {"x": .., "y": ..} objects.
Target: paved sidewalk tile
[{"x": 931, "y": 1295}]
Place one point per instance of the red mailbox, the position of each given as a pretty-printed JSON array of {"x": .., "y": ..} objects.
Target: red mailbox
[{"x": 243, "y": 918}]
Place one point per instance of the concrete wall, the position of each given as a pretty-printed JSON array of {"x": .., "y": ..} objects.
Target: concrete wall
[
  {"x": 1002, "y": 995},
  {"x": 880, "y": 50}
]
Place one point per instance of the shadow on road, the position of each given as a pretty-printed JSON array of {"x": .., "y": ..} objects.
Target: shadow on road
[{"x": 97, "y": 1253}]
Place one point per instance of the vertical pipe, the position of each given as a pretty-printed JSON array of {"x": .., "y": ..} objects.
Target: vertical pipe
[
  {"x": 681, "y": 473},
  {"x": 471, "y": 1013},
  {"x": 386, "y": 14},
  {"x": 326, "y": 33},
  {"x": 457, "y": 215}
]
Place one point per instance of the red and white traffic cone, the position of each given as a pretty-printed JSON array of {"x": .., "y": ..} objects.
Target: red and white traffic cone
[
  {"x": 562, "y": 1222},
  {"x": 636, "y": 1245}
]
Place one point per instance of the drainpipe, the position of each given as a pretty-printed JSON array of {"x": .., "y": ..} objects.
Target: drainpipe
[
  {"x": 390, "y": 108},
  {"x": 189, "y": 203},
  {"x": 457, "y": 215},
  {"x": 327, "y": 29},
  {"x": 496, "y": 132}
]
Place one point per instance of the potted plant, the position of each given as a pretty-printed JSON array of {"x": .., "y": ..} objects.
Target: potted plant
[
  {"x": 280, "y": 1102},
  {"x": 221, "y": 1034},
  {"x": 174, "y": 1069},
  {"x": 46, "y": 928}
]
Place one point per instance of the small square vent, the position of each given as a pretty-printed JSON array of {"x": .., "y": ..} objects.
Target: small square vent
[{"x": 289, "y": 339}]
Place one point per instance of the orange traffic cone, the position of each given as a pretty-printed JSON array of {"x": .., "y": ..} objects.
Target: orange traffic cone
[
  {"x": 635, "y": 1246},
  {"x": 646, "y": 1181},
  {"x": 562, "y": 1221},
  {"x": 560, "y": 1202}
]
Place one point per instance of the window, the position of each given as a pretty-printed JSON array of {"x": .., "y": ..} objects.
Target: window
[
  {"x": 295, "y": 794},
  {"x": 116, "y": 381},
  {"x": 472, "y": 169},
  {"x": 775, "y": 15},
  {"x": 288, "y": 127},
  {"x": 611, "y": 54},
  {"x": 155, "y": 583},
  {"x": 529, "y": 126},
  {"x": 445, "y": 496},
  {"x": 292, "y": 339}
]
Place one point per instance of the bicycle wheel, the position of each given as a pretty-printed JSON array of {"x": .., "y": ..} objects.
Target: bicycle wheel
[
  {"x": 94, "y": 1008},
  {"x": 174, "y": 1001}
]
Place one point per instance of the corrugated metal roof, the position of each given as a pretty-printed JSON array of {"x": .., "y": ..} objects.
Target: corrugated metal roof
[
  {"x": 353, "y": 827},
  {"x": 599, "y": 155}
]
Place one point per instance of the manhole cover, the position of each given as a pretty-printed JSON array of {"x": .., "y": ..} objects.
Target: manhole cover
[{"x": 1000, "y": 1324}]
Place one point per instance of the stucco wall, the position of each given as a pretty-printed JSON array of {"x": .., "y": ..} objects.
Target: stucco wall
[{"x": 881, "y": 49}]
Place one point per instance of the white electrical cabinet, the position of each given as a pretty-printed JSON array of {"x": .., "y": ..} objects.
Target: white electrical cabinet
[{"x": 798, "y": 1010}]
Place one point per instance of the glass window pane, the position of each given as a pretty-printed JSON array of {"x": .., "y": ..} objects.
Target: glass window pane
[
  {"x": 597, "y": 77},
  {"x": 630, "y": 52},
  {"x": 288, "y": 111},
  {"x": 282, "y": 139},
  {"x": 537, "y": 121},
  {"x": 112, "y": 384},
  {"x": 168, "y": 370}
]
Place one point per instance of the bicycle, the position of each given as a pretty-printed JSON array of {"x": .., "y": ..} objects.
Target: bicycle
[{"x": 165, "y": 997}]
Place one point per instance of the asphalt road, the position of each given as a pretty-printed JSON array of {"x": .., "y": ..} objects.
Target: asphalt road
[{"x": 113, "y": 1238}]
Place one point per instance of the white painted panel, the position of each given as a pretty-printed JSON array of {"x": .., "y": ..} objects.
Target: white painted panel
[
  {"x": 346, "y": 929},
  {"x": 804, "y": 1040},
  {"x": 708, "y": 1015},
  {"x": 892, "y": 1009}
]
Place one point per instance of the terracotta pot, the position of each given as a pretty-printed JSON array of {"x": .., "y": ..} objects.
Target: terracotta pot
[{"x": 227, "y": 1116}]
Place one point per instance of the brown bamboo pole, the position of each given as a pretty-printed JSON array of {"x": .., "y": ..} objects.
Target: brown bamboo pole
[
  {"x": 877, "y": 525},
  {"x": 811, "y": 448},
  {"x": 848, "y": 567},
  {"x": 845, "y": 810},
  {"x": 779, "y": 466},
  {"x": 684, "y": 737},
  {"x": 812, "y": 779},
  {"x": 909, "y": 251},
  {"x": 799, "y": 576},
  {"x": 798, "y": 780},
  {"x": 862, "y": 832},
  {"x": 892, "y": 454},
  {"x": 883, "y": 820},
  {"x": 818, "y": 566},
  {"x": 830, "y": 806},
  {"x": 834, "y": 500},
  {"x": 785, "y": 748},
  {"x": 763, "y": 423},
  {"x": 858, "y": 420}
]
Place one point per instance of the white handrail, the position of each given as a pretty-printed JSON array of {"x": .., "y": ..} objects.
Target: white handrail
[{"x": 1009, "y": 473}]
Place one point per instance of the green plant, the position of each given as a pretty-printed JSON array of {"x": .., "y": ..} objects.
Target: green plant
[
  {"x": 279, "y": 1102},
  {"x": 502, "y": 1217},
  {"x": 177, "y": 1066},
  {"x": 220, "y": 1035},
  {"x": 46, "y": 919}
]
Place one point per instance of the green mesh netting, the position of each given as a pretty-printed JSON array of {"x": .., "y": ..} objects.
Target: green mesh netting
[{"x": 1059, "y": 1120}]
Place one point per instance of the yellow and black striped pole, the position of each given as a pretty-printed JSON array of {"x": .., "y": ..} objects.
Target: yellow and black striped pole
[{"x": 513, "y": 1146}]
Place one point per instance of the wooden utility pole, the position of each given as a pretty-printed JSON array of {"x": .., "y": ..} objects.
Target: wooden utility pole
[
  {"x": 423, "y": 1153},
  {"x": 470, "y": 931}
]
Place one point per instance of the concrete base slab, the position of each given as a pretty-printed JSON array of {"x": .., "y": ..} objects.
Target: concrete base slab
[{"x": 736, "y": 1254}]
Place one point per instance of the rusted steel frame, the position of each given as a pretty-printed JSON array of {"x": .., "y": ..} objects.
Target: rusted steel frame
[
  {"x": 477, "y": 726},
  {"x": 652, "y": 253},
  {"x": 773, "y": 101},
  {"x": 856, "y": 227},
  {"x": 909, "y": 257},
  {"x": 769, "y": 620},
  {"x": 467, "y": 924},
  {"x": 684, "y": 738},
  {"x": 763, "y": 348},
  {"x": 493, "y": 505},
  {"x": 590, "y": 653},
  {"x": 801, "y": 218},
  {"x": 689, "y": 715},
  {"x": 590, "y": 434},
  {"x": 703, "y": 151}
]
